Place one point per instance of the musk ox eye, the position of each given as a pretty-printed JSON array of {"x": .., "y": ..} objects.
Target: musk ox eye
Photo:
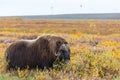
[
  {"x": 58, "y": 43},
  {"x": 65, "y": 43}
]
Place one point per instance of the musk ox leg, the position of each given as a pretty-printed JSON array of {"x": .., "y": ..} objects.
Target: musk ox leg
[
  {"x": 9, "y": 67},
  {"x": 13, "y": 66},
  {"x": 45, "y": 66}
]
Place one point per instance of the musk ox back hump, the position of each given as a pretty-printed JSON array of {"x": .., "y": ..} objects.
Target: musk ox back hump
[{"x": 40, "y": 52}]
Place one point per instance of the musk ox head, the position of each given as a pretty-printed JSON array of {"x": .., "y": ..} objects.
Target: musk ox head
[
  {"x": 63, "y": 51},
  {"x": 41, "y": 52},
  {"x": 59, "y": 47}
]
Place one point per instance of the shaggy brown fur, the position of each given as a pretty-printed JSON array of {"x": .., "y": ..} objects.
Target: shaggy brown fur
[{"x": 40, "y": 52}]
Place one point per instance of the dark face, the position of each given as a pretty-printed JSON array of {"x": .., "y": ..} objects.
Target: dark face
[{"x": 64, "y": 52}]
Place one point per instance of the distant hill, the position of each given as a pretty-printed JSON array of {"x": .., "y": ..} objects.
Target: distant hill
[{"x": 102, "y": 16}]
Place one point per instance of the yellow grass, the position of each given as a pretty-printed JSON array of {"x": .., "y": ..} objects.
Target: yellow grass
[{"x": 95, "y": 48}]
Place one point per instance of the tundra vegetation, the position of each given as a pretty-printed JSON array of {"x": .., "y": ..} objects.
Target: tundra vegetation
[{"x": 95, "y": 48}]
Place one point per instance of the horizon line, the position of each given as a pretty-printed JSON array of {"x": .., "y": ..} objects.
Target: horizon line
[{"x": 56, "y": 14}]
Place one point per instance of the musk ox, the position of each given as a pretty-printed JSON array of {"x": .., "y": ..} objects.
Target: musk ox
[{"x": 41, "y": 52}]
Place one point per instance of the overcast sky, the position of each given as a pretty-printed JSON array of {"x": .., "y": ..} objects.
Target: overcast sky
[{"x": 48, "y": 7}]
